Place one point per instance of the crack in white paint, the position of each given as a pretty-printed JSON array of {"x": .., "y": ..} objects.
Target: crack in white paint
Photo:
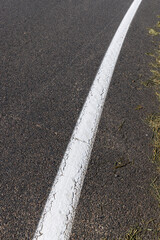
[{"x": 58, "y": 214}]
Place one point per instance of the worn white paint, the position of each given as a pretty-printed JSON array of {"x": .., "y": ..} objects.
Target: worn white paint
[{"x": 57, "y": 217}]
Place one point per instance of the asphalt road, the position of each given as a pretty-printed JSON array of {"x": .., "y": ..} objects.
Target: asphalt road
[{"x": 51, "y": 51}]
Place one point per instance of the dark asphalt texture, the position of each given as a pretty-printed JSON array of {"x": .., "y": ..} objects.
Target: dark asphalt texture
[
  {"x": 112, "y": 201},
  {"x": 51, "y": 51}
]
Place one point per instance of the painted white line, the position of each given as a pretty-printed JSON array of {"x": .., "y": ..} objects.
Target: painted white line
[{"x": 58, "y": 214}]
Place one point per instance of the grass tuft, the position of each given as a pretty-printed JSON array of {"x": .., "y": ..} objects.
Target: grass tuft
[{"x": 133, "y": 234}]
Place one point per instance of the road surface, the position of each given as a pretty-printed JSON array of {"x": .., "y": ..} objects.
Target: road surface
[{"x": 51, "y": 51}]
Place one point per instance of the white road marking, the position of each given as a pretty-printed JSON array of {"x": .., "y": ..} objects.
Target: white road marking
[{"x": 58, "y": 214}]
